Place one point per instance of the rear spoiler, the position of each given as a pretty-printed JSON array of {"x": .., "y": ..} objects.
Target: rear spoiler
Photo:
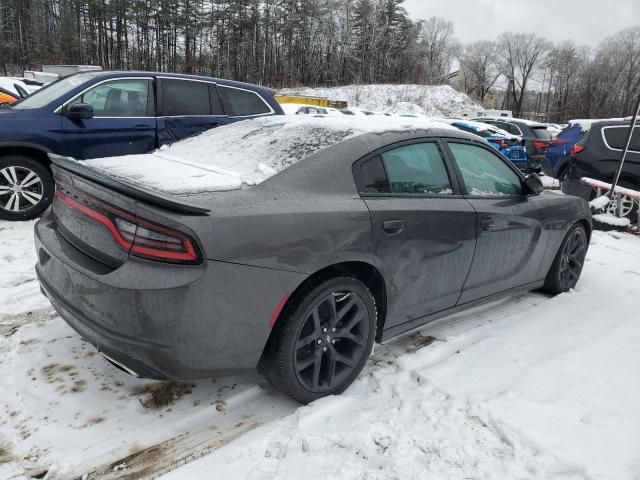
[{"x": 125, "y": 188}]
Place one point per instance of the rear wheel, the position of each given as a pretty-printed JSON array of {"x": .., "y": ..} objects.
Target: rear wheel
[
  {"x": 26, "y": 188},
  {"x": 321, "y": 346},
  {"x": 567, "y": 266}
]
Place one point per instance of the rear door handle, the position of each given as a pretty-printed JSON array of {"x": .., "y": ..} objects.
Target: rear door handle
[{"x": 393, "y": 227}]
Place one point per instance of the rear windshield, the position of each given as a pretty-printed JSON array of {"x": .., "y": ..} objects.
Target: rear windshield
[
  {"x": 616, "y": 137},
  {"x": 541, "y": 132}
]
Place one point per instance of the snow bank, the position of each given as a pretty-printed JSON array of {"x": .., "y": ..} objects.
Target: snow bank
[
  {"x": 245, "y": 153},
  {"x": 612, "y": 220},
  {"x": 430, "y": 100}
]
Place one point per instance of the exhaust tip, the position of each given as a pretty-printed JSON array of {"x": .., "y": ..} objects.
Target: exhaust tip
[{"x": 119, "y": 365}]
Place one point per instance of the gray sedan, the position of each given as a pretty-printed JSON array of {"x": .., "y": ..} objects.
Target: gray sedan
[{"x": 301, "y": 242}]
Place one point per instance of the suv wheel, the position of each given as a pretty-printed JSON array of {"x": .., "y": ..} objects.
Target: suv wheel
[
  {"x": 26, "y": 188},
  {"x": 321, "y": 346}
]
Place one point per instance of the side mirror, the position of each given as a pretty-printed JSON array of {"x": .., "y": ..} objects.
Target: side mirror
[
  {"x": 80, "y": 111},
  {"x": 534, "y": 184}
]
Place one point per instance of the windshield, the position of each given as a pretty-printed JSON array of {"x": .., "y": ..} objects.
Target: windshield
[{"x": 52, "y": 91}]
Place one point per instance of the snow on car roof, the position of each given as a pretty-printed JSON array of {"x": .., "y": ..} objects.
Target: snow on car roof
[
  {"x": 245, "y": 153},
  {"x": 478, "y": 126}
]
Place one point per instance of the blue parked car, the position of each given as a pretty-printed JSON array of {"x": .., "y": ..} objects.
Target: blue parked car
[
  {"x": 509, "y": 145},
  {"x": 103, "y": 114},
  {"x": 556, "y": 161}
]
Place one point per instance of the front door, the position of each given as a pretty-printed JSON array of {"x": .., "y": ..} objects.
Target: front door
[
  {"x": 123, "y": 122},
  {"x": 423, "y": 231},
  {"x": 511, "y": 239}
]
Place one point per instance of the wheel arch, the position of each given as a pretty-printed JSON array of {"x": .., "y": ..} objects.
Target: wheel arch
[
  {"x": 363, "y": 271},
  {"x": 35, "y": 152}
]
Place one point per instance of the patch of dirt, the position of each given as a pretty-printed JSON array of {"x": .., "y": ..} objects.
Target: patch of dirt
[
  {"x": 94, "y": 421},
  {"x": 158, "y": 395},
  {"x": 10, "y": 324},
  {"x": 5, "y": 453},
  {"x": 420, "y": 342}
]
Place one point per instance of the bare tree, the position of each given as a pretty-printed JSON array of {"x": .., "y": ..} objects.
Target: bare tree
[
  {"x": 520, "y": 55},
  {"x": 436, "y": 48},
  {"x": 479, "y": 66}
]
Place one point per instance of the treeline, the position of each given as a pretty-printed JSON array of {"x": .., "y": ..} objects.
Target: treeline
[
  {"x": 555, "y": 82},
  {"x": 273, "y": 42},
  {"x": 285, "y": 43}
]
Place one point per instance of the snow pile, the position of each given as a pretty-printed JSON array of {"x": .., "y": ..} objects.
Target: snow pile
[
  {"x": 245, "y": 153},
  {"x": 599, "y": 203},
  {"x": 431, "y": 100},
  {"x": 611, "y": 220}
]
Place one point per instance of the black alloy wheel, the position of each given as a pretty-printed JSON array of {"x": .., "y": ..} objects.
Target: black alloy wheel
[
  {"x": 567, "y": 266},
  {"x": 321, "y": 344}
]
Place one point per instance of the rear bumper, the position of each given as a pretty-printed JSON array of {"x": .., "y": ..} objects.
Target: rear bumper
[
  {"x": 160, "y": 320},
  {"x": 535, "y": 163}
]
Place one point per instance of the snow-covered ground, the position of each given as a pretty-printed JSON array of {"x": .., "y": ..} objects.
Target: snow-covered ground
[
  {"x": 528, "y": 387},
  {"x": 430, "y": 100}
]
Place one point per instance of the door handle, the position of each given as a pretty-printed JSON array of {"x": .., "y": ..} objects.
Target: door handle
[
  {"x": 488, "y": 224},
  {"x": 393, "y": 227}
]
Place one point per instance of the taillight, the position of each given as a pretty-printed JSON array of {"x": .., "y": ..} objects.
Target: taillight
[
  {"x": 502, "y": 144},
  {"x": 540, "y": 145},
  {"x": 577, "y": 149},
  {"x": 135, "y": 235}
]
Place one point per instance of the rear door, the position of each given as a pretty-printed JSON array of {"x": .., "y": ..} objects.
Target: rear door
[
  {"x": 423, "y": 230},
  {"x": 511, "y": 240},
  {"x": 123, "y": 123},
  {"x": 187, "y": 107}
]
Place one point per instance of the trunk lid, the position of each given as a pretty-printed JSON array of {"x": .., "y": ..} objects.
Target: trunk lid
[{"x": 97, "y": 214}]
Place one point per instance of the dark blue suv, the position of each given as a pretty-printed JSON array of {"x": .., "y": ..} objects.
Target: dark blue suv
[{"x": 102, "y": 114}]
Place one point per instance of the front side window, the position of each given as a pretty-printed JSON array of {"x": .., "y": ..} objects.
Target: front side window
[
  {"x": 483, "y": 172},
  {"x": 238, "y": 102},
  {"x": 417, "y": 168},
  {"x": 118, "y": 98}
]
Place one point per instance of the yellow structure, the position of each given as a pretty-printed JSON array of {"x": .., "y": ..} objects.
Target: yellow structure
[{"x": 317, "y": 101}]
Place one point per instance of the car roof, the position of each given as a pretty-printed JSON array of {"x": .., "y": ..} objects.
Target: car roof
[{"x": 221, "y": 81}]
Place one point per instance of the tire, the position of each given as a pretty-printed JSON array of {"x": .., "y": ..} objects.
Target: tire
[
  {"x": 312, "y": 353},
  {"x": 567, "y": 265},
  {"x": 26, "y": 188}
]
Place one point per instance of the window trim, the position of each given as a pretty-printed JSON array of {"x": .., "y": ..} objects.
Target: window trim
[
  {"x": 451, "y": 173},
  {"x": 62, "y": 108},
  {"x": 606, "y": 143},
  {"x": 463, "y": 186},
  {"x": 270, "y": 112}
]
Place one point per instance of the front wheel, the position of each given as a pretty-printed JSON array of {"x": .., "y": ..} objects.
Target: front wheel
[
  {"x": 26, "y": 188},
  {"x": 567, "y": 265},
  {"x": 321, "y": 346}
]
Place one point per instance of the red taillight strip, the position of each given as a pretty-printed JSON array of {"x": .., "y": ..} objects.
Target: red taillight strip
[
  {"x": 151, "y": 253},
  {"x": 98, "y": 217},
  {"x": 279, "y": 308}
]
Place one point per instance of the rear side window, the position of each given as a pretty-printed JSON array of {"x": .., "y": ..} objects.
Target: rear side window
[
  {"x": 417, "y": 168},
  {"x": 372, "y": 177},
  {"x": 184, "y": 98},
  {"x": 541, "y": 132},
  {"x": 238, "y": 102},
  {"x": 484, "y": 173},
  {"x": 509, "y": 127},
  {"x": 616, "y": 137}
]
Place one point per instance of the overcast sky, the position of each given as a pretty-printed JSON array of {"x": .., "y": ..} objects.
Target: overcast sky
[{"x": 585, "y": 21}]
